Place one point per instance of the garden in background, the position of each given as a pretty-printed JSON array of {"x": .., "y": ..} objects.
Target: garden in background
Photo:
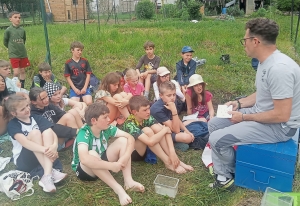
[{"x": 119, "y": 46}]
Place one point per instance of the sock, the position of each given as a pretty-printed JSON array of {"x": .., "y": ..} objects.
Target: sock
[
  {"x": 146, "y": 94},
  {"x": 22, "y": 83}
]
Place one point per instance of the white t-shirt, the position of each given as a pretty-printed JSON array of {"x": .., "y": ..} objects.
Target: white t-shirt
[{"x": 178, "y": 91}]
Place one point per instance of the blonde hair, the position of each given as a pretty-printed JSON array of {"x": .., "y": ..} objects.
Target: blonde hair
[
  {"x": 4, "y": 63},
  {"x": 10, "y": 104},
  {"x": 130, "y": 73}
]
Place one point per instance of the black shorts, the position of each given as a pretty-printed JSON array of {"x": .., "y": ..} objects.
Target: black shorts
[
  {"x": 135, "y": 156},
  {"x": 27, "y": 161},
  {"x": 82, "y": 175}
]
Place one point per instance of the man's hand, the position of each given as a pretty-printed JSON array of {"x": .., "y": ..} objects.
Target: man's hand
[
  {"x": 116, "y": 166},
  {"x": 236, "y": 116},
  {"x": 234, "y": 104},
  {"x": 172, "y": 107}
]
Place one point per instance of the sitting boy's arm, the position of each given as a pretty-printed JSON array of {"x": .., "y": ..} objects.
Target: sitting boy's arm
[
  {"x": 91, "y": 161},
  {"x": 179, "y": 75},
  {"x": 130, "y": 142},
  {"x": 156, "y": 138},
  {"x": 37, "y": 81},
  {"x": 87, "y": 81},
  {"x": 173, "y": 124},
  {"x": 68, "y": 78}
]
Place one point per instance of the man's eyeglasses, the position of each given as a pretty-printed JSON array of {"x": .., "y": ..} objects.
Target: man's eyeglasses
[{"x": 243, "y": 41}]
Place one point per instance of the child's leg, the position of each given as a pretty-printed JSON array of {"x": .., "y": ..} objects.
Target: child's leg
[
  {"x": 46, "y": 163},
  {"x": 115, "y": 153},
  {"x": 147, "y": 85},
  {"x": 113, "y": 112},
  {"x": 124, "y": 111},
  {"x": 68, "y": 120},
  {"x": 161, "y": 153},
  {"x": 77, "y": 117},
  {"x": 106, "y": 177},
  {"x": 87, "y": 99}
]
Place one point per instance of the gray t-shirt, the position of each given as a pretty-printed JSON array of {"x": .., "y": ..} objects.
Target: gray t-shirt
[{"x": 278, "y": 77}]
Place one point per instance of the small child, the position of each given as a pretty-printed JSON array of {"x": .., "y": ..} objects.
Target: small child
[
  {"x": 78, "y": 73},
  {"x": 113, "y": 97},
  {"x": 54, "y": 94},
  {"x": 34, "y": 142},
  {"x": 133, "y": 85},
  {"x": 11, "y": 85},
  {"x": 14, "y": 39},
  {"x": 151, "y": 63},
  {"x": 149, "y": 133},
  {"x": 46, "y": 75},
  {"x": 93, "y": 158},
  {"x": 198, "y": 99},
  {"x": 185, "y": 68}
]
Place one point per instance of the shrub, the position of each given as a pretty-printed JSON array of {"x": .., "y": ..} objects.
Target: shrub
[
  {"x": 170, "y": 11},
  {"x": 261, "y": 12},
  {"x": 145, "y": 9},
  {"x": 286, "y": 5},
  {"x": 194, "y": 10},
  {"x": 235, "y": 11},
  {"x": 185, "y": 15}
]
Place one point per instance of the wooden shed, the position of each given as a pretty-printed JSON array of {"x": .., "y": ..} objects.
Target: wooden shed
[{"x": 66, "y": 10}]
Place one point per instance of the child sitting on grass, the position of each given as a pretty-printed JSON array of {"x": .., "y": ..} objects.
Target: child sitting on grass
[
  {"x": 54, "y": 94},
  {"x": 198, "y": 99},
  {"x": 78, "y": 74},
  {"x": 113, "y": 97},
  {"x": 133, "y": 85},
  {"x": 185, "y": 68},
  {"x": 93, "y": 158},
  {"x": 34, "y": 142},
  {"x": 148, "y": 132},
  {"x": 151, "y": 63},
  {"x": 46, "y": 75},
  {"x": 12, "y": 87}
]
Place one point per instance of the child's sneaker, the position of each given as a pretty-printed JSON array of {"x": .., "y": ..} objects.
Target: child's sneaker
[
  {"x": 47, "y": 184},
  {"x": 58, "y": 176},
  {"x": 227, "y": 184}
]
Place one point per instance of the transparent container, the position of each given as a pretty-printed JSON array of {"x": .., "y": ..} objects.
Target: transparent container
[
  {"x": 274, "y": 197},
  {"x": 165, "y": 185}
]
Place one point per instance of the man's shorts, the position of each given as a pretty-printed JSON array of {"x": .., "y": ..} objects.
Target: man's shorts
[
  {"x": 82, "y": 175},
  {"x": 19, "y": 62},
  {"x": 73, "y": 94},
  {"x": 135, "y": 156}
]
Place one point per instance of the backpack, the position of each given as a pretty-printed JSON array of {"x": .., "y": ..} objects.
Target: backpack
[
  {"x": 94, "y": 83},
  {"x": 14, "y": 183}
]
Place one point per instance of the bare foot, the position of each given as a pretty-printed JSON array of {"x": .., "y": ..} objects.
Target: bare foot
[
  {"x": 178, "y": 170},
  {"x": 134, "y": 186},
  {"x": 124, "y": 198},
  {"x": 187, "y": 167}
]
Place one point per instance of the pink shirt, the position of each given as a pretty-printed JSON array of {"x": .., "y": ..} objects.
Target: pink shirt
[
  {"x": 202, "y": 109},
  {"x": 134, "y": 91}
]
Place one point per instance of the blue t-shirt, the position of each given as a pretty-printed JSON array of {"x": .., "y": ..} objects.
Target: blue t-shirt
[{"x": 159, "y": 112}]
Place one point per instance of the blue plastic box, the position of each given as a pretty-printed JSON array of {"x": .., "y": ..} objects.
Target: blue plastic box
[{"x": 267, "y": 165}]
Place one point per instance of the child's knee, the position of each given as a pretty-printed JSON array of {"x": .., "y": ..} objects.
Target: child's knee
[
  {"x": 148, "y": 131},
  {"x": 187, "y": 138},
  {"x": 117, "y": 97},
  {"x": 34, "y": 134}
]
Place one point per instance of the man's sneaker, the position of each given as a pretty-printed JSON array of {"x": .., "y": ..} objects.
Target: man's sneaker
[
  {"x": 58, "y": 176},
  {"x": 47, "y": 184},
  {"x": 228, "y": 184},
  {"x": 211, "y": 170}
]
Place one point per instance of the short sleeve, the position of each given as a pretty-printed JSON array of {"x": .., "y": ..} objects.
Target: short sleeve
[
  {"x": 67, "y": 69},
  {"x": 111, "y": 131},
  {"x": 131, "y": 128},
  {"x": 149, "y": 122},
  {"x": 83, "y": 136},
  {"x": 88, "y": 67},
  {"x": 66, "y": 101},
  {"x": 208, "y": 96},
  {"x": 100, "y": 94},
  {"x": 42, "y": 122},
  {"x": 126, "y": 89},
  {"x": 14, "y": 127},
  {"x": 158, "y": 113}
]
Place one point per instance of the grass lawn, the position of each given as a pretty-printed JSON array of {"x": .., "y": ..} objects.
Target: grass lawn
[{"x": 117, "y": 47}]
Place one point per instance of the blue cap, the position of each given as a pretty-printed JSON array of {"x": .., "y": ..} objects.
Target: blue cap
[{"x": 186, "y": 49}]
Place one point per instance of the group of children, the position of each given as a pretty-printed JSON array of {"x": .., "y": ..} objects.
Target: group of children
[{"x": 40, "y": 127}]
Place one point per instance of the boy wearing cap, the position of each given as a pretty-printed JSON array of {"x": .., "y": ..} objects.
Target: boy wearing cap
[
  {"x": 151, "y": 63},
  {"x": 185, "y": 68},
  {"x": 165, "y": 112}
]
